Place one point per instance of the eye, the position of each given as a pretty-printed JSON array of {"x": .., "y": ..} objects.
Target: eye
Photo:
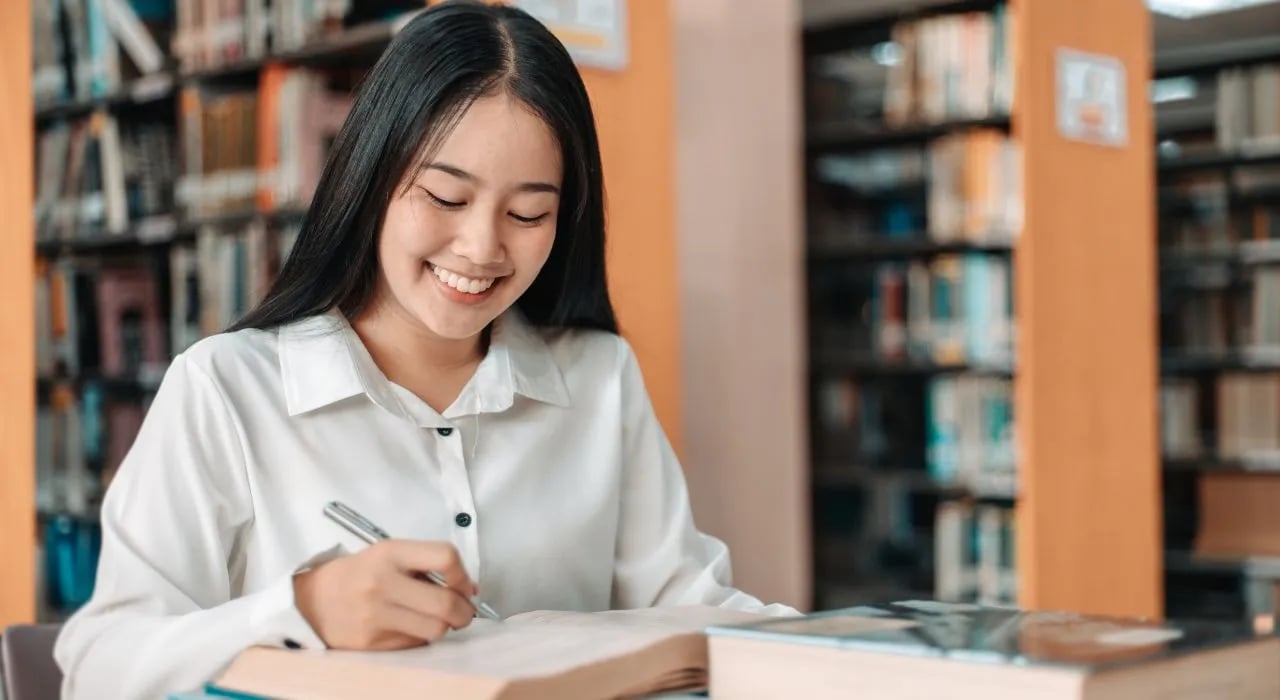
[
  {"x": 528, "y": 220},
  {"x": 440, "y": 201}
]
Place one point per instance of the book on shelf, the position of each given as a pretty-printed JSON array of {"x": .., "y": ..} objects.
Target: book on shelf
[
  {"x": 970, "y": 433},
  {"x": 1248, "y": 415},
  {"x": 929, "y": 648},
  {"x": 1180, "y": 431},
  {"x": 1247, "y": 117},
  {"x": 621, "y": 653},
  {"x": 974, "y": 553}
]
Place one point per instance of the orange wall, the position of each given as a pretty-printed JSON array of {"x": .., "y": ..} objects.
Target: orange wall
[
  {"x": 635, "y": 118},
  {"x": 17, "y": 320}
]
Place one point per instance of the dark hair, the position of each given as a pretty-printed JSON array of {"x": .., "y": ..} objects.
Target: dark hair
[{"x": 436, "y": 66}]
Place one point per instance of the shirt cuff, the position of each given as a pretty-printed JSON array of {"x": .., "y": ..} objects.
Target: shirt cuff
[{"x": 275, "y": 618}]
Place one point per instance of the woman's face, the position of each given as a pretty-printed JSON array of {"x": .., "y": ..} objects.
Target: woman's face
[{"x": 475, "y": 224}]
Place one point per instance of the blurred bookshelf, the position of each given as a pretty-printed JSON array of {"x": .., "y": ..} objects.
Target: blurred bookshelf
[
  {"x": 965, "y": 412},
  {"x": 177, "y": 144},
  {"x": 1218, "y": 199},
  {"x": 913, "y": 211}
]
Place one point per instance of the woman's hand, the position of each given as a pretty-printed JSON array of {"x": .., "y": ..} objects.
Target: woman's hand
[{"x": 372, "y": 599}]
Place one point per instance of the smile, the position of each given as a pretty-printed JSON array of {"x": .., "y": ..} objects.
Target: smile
[{"x": 466, "y": 285}]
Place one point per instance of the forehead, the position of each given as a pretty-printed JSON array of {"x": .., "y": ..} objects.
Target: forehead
[{"x": 500, "y": 139}]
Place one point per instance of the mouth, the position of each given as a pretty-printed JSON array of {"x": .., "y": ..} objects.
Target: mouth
[{"x": 462, "y": 289}]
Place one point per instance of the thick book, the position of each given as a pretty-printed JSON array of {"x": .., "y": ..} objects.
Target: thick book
[
  {"x": 541, "y": 654},
  {"x": 925, "y": 649}
]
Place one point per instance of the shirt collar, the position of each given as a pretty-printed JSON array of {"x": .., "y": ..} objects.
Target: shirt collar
[{"x": 323, "y": 361}]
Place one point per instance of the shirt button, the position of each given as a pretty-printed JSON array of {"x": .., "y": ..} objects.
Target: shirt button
[
  {"x": 290, "y": 644},
  {"x": 445, "y": 432},
  {"x": 462, "y": 519}
]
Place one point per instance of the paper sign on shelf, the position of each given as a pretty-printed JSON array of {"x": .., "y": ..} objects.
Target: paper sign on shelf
[
  {"x": 594, "y": 31},
  {"x": 1091, "y": 98}
]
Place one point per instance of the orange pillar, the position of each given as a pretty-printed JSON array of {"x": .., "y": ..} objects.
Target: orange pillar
[
  {"x": 1089, "y": 521},
  {"x": 17, "y": 320},
  {"x": 635, "y": 118}
]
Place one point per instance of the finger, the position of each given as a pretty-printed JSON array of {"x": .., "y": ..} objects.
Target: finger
[
  {"x": 410, "y": 622},
  {"x": 431, "y": 599},
  {"x": 440, "y": 557}
]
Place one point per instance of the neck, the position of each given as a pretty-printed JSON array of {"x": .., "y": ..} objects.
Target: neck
[{"x": 410, "y": 355}]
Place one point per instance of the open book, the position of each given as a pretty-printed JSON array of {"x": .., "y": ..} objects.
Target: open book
[{"x": 532, "y": 655}]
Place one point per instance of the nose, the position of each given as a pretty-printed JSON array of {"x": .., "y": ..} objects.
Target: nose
[{"x": 479, "y": 240}]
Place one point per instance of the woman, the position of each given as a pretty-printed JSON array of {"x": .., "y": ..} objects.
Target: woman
[{"x": 439, "y": 353}]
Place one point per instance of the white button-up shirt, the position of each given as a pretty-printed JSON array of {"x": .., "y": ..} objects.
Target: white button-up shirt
[{"x": 549, "y": 473}]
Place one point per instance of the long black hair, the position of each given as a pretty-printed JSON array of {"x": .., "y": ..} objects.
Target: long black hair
[{"x": 435, "y": 67}]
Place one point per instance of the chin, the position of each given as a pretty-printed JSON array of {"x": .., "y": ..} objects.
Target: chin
[{"x": 455, "y": 326}]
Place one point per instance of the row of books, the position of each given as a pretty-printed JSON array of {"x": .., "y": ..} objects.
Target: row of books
[
  {"x": 1210, "y": 213},
  {"x": 1237, "y": 312},
  {"x": 98, "y": 320},
  {"x": 975, "y": 553},
  {"x": 1245, "y": 409},
  {"x": 263, "y": 147},
  {"x": 965, "y": 433},
  {"x": 235, "y": 151},
  {"x": 951, "y": 67},
  {"x": 82, "y": 436},
  {"x": 887, "y": 534},
  {"x": 1248, "y": 108},
  {"x": 95, "y": 176},
  {"x": 951, "y": 309},
  {"x": 108, "y": 319},
  {"x": 931, "y": 70},
  {"x": 88, "y": 48},
  {"x": 212, "y": 33},
  {"x": 965, "y": 187}
]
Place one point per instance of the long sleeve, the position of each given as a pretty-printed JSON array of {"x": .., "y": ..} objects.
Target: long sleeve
[
  {"x": 163, "y": 616},
  {"x": 662, "y": 558}
]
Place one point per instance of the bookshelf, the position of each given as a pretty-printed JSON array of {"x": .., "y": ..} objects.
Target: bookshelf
[
  {"x": 159, "y": 219},
  {"x": 982, "y": 426},
  {"x": 1219, "y": 204}
]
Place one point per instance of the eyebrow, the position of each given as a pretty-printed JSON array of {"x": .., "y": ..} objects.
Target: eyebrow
[{"x": 464, "y": 175}]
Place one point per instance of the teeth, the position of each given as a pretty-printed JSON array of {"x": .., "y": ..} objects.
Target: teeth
[{"x": 460, "y": 283}]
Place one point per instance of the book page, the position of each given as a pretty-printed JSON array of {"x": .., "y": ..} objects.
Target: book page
[{"x": 549, "y": 642}]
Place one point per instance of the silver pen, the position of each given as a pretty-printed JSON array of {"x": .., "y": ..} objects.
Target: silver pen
[{"x": 363, "y": 528}]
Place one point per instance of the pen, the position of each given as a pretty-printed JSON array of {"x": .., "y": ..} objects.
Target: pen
[{"x": 363, "y": 528}]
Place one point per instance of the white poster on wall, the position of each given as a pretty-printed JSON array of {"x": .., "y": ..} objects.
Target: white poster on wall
[
  {"x": 594, "y": 31},
  {"x": 1091, "y": 98}
]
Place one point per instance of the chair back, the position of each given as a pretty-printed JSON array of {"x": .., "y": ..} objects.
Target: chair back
[{"x": 27, "y": 665}]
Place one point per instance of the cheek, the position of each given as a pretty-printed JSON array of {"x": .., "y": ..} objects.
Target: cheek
[
  {"x": 530, "y": 250},
  {"x": 412, "y": 231}
]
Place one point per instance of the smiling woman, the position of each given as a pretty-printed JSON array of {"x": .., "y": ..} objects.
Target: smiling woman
[{"x": 440, "y": 352}]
